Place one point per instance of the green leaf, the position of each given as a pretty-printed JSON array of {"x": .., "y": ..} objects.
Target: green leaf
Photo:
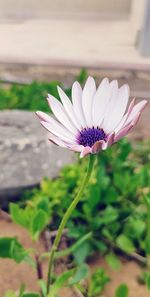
[
  {"x": 19, "y": 215},
  {"x": 81, "y": 273},
  {"x": 125, "y": 244},
  {"x": 122, "y": 291},
  {"x": 81, "y": 253},
  {"x": 110, "y": 214},
  {"x": 18, "y": 253},
  {"x": 82, "y": 76},
  {"x": 97, "y": 283},
  {"x": 10, "y": 293},
  {"x": 30, "y": 261},
  {"x": 21, "y": 291},
  {"x": 135, "y": 228},
  {"x": 147, "y": 245},
  {"x": 148, "y": 281},
  {"x": 72, "y": 248},
  {"x": 147, "y": 201},
  {"x": 39, "y": 222},
  {"x": 113, "y": 261},
  {"x": 60, "y": 282},
  {"x": 43, "y": 204},
  {"x": 42, "y": 284},
  {"x": 5, "y": 246},
  {"x": 11, "y": 248},
  {"x": 138, "y": 227},
  {"x": 101, "y": 246}
]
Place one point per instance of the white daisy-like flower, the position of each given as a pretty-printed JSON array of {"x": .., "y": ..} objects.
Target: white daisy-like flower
[{"x": 93, "y": 119}]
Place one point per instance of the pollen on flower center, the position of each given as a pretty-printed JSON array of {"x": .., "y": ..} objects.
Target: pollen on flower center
[{"x": 88, "y": 136}]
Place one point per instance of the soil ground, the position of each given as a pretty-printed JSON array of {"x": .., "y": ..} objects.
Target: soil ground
[{"x": 12, "y": 275}]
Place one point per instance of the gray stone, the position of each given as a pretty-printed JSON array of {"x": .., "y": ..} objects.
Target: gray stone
[{"x": 26, "y": 155}]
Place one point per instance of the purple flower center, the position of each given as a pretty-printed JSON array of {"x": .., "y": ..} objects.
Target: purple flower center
[{"x": 88, "y": 136}]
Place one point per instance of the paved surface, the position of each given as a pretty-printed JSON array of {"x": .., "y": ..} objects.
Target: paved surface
[
  {"x": 71, "y": 42},
  {"x": 26, "y": 155}
]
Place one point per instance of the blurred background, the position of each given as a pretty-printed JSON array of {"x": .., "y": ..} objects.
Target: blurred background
[
  {"x": 75, "y": 33},
  {"x": 46, "y": 43}
]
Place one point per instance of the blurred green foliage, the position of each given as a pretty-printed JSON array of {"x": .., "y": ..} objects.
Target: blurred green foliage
[
  {"x": 113, "y": 215},
  {"x": 97, "y": 283},
  {"x": 32, "y": 97},
  {"x": 29, "y": 97},
  {"x": 112, "y": 207}
]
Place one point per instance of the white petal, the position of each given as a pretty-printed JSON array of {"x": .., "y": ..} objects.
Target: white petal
[
  {"x": 57, "y": 129},
  {"x": 125, "y": 130},
  {"x": 68, "y": 107},
  {"x": 118, "y": 107},
  {"x": 57, "y": 141},
  {"x": 60, "y": 113},
  {"x": 110, "y": 104},
  {"x": 77, "y": 103},
  {"x": 43, "y": 116},
  {"x": 123, "y": 120},
  {"x": 77, "y": 148},
  {"x": 87, "y": 100},
  {"x": 136, "y": 109},
  {"x": 100, "y": 102}
]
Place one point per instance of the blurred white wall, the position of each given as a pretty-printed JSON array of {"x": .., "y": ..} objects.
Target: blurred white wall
[
  {"x": 137, "y": 13},
  {"x": 45, "y": 8}
]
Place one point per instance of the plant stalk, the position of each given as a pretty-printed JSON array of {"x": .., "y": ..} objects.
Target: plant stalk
[
  {"x": 65, "y": 220},
  {"x": 148, "y": 238}
]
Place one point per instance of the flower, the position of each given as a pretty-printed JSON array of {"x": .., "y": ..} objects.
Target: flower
[{"x": 94, "y": 120}]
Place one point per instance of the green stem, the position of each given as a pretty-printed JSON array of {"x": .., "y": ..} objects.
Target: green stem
[
  {"x": 148, "y": 236},
  {"x": 65, "y": 219},
  {"x": 69, "y": 250}
]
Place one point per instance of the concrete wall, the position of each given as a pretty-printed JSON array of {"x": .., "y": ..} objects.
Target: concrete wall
[{"x": 37, "y": 8}]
